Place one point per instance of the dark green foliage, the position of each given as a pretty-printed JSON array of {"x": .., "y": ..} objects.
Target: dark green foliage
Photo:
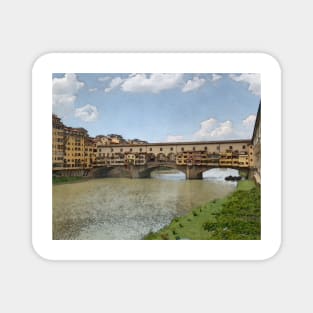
[
  {"x": 240, "y": 217},
  {"x": 194, "y": 213},
  {"x": 164, "y": 236}
]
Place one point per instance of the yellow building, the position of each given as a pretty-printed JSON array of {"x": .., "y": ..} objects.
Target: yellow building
[
  {"x": 57, "y": 142},
  {"x": 72, "y": 148}
]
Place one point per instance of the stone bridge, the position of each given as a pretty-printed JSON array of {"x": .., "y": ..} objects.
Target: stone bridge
[{"x": 144, "y": 171}]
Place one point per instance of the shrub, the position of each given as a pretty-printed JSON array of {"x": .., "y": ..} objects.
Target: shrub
[
  {"x": 240, "y": 217},
  {"x": 164, "y": 236}
]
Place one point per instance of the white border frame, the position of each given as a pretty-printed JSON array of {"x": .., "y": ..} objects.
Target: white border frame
[{"x": 156, "y": 249}]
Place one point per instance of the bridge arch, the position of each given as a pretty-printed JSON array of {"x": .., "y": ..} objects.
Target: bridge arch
[
  {"x": 146, "y": 172},
  {"x": 222, "y": 172}
]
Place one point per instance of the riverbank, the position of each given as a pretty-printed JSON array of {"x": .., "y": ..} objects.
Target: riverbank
[
  {"x": 237, "y": 216},
  {"x": 67, "y": 179}
]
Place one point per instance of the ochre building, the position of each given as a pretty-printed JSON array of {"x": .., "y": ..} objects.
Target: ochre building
[{"x": 72, "y": 148}]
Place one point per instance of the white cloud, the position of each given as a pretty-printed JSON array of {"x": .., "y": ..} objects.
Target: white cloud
[
  {"x": 224, "y": 129},
  {"x": 64, "y": 93},
  {"x": 253, "y": 80},
  {"x": 174, "y": 138},
  {"x": 212, "y": 129},
  {"x": 92, "y": 89},
  {"x": 249, "y": 121},
  {"x": 193, "y": 84},
  {"x": 216, "y": 77},
  {"x": 153, "y": 83},
  {"x": 87, "y": 113},
  {"x": 115, "y": 82}
]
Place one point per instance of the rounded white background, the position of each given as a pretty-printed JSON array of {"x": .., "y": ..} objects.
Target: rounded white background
[{"x": 32, "y": 28}]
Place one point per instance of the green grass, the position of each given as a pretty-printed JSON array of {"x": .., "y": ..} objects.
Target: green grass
[
  {"x": 245, "y": 185},
  {"x": 236, "y": 217},
  {"x": 63, "y": 180}
]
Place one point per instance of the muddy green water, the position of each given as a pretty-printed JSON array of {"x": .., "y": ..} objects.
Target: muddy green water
[{"x": 117, "y": 208}]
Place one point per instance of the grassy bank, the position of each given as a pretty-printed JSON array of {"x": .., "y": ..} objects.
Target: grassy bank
[
  {"x": 65, "y": 180},
  {"x": 236, "y": 217}
]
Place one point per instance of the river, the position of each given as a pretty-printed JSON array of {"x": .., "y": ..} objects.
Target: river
[{"x": 122, "y": 208}]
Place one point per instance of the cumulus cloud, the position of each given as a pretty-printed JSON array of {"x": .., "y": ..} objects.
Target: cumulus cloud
[
  {"x": 64, "y": 93},
  {"x": 151, "y": 83},
  {"x": 249, "y": 121},
  {"x": 87, "y": 113},
  {"x": 174, "y": 138},
  {"x": 212, "y": 129},
  {"x": 92, "y": 89},
  {"x": 193, "y": 84},
  {"x": 216, "y": 77},
  {"x": 115, "y": 82},
  {"x": 253, "y": 81}
]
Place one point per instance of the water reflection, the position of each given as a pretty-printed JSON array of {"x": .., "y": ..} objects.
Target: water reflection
[{"x": 118, "y": 208}]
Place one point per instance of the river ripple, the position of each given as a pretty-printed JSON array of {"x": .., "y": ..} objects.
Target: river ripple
[{"x": 118, "y": 208}]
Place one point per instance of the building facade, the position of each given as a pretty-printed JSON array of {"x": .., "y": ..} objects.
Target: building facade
[
  {"x": 256, "y": 141},
  {"x": 231, "y": 153},
  {"x": 72, "y": 148}
]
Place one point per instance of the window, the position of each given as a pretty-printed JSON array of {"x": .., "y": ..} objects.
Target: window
[
  {"x": 131, "y": 149},
  {"x": 121, "y": 150},
  {"x": 112, "y": 149},
  {"x": 182, "y": 149},
  {"x": 230, "y": 147},
  {"x": 140, "y": 150},
  {"x": 205, "y": 148},
  {"x": 218, "y": 148},
  {"x": 161, "y": 149},
  {"x": 194, "y": 148},
  {"x": 171, "y": 148},
  {"x": 243, "y": 147},
  {"x": 150, "y": 149}
]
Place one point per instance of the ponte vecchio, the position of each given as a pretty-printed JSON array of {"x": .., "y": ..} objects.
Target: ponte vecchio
[
  {"x": 74, "y": 153},
  {"x": 192, "y": 158}
]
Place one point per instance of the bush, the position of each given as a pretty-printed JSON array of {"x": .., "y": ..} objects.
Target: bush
[
  {"x": 240, "y": 217},
  {"x": 164, "y": 236}
]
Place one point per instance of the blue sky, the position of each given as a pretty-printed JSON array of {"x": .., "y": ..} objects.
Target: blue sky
[{"x": 159, "y": 107}]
